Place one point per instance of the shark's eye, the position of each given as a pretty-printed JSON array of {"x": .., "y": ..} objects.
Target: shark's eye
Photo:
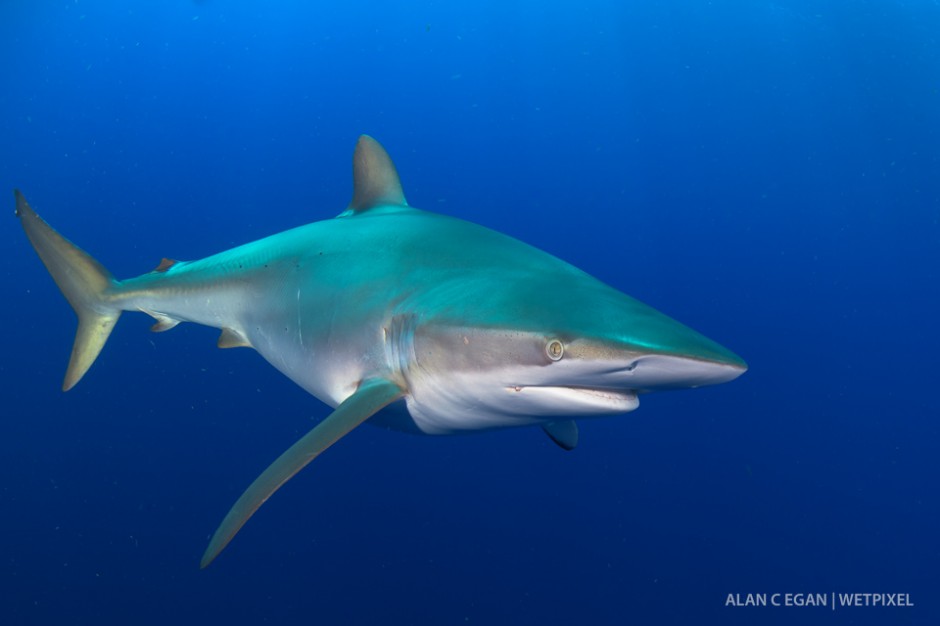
[{"x": 555, "y": 350}]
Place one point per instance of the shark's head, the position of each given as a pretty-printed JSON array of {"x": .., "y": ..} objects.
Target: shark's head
[
  {"x": 490, "y": 332},
  {"x": 555, "y": 344}
]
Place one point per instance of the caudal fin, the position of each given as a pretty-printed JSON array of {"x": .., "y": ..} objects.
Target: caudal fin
[{"x": 84, "y": 282}]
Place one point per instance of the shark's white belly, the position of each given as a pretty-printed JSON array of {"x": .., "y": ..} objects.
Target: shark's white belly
[{"x": 328, "y": 375}]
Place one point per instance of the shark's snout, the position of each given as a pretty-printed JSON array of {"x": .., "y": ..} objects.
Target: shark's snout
[{"x": 660, "y": 371}]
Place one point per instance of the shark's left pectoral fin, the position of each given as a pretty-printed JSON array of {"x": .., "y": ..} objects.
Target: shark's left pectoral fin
[
  {"x": 564, "y": 433},
  {"x": 371, "y": 396}
]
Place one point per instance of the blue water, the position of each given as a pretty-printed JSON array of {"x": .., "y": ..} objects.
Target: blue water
[{"x": 766, "y": 172}]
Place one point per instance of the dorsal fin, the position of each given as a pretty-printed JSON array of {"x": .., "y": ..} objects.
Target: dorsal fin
[{"x": 375, "y": 179}]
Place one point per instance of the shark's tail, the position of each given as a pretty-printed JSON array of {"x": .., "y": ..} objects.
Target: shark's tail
[{"x": 84, "y": 282}]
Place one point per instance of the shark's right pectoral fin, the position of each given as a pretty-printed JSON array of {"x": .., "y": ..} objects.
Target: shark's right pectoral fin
[
  {"x": 563, "y": 433},
  {"x": 371, "y": 396}
]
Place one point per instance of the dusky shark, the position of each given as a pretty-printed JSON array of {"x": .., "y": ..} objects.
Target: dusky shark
[{"x": 448, "y": 326}]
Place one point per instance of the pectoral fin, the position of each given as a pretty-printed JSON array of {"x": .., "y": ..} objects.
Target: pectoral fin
[
  {"x": 565, "y": 433},
  {"x": 372, "y": 395}
]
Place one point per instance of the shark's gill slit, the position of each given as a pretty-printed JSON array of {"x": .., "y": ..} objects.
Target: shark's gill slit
[{"x": 300, "y": 320}]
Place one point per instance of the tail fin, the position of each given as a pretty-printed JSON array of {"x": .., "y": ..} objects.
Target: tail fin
[{"x": 84, "y": 282}]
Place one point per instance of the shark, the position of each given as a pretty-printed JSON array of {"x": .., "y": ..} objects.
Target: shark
[{"x": 405, "y": 318}]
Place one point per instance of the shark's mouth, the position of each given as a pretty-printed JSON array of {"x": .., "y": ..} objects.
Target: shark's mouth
[{"x": 574, "y": 400}]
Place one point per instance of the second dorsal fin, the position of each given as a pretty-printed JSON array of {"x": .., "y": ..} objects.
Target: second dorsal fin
[
  {"x": 375, "y": 179},
  {"x": 165, "y": 264}
]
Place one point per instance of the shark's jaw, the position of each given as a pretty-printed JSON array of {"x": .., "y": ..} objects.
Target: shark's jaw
[
  {"x": 609, "y": 391},
  {"x": 603, "y": 390},
  {"x": 469, "y": 401},
  {"x": 655, "y": 372},
  {"x": 463, "y": 379}
]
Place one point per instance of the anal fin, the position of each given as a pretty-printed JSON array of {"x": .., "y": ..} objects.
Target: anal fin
[
  {"x": 164, "y": 322},
  {"x": 564, "y": 433},
  {"x": 372, "y": 395}
]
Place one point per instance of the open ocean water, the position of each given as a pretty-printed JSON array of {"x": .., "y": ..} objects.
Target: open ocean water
[{"x": 766, "y": 172}]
